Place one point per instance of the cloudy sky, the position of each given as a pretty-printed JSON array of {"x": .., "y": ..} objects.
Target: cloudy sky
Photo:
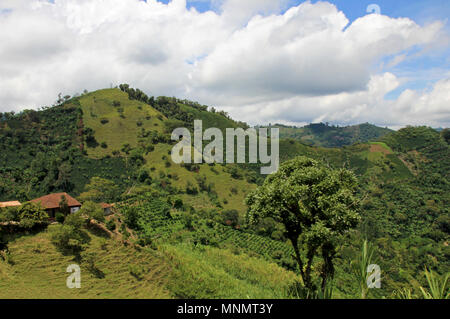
[{"x": 285, "y": 61}]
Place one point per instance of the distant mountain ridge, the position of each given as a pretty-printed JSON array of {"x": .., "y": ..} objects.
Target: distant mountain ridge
[{"x": 322, "y": 134}]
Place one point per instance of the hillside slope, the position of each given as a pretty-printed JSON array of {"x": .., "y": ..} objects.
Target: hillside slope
[
  {"x": 123, "y": 136},
  {"x": 37, "y": 270}
]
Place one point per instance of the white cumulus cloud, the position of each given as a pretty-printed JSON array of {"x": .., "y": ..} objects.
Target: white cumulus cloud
[{"x": 253, "y": 58}]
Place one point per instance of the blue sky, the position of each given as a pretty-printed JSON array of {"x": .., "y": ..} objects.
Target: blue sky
[{"x": 420, "y": 11}]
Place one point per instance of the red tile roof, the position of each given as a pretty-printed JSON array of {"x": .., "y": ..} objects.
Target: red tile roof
[
  {"x": 52, "y": 200},
  {"x": 10, "y": 204},
  {"x": 104, "y": 205}
]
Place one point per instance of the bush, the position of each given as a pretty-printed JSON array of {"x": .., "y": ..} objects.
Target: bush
[
  {"x": 111, "y": 225},
  {"x": 9, "y": 214},
  {"x": 230, "y": 217},
  {"x": 60, "y": 217},
  {"x": 70, "y": 238},
  {"x": 31, "y": 214},
  {"x": 234, "y": 172},
  {"x": 75, "y": 220},
  {"x": 93, "y": 211},
  {"x": 191, "y": 189},
  {"x": 131, "y": 218},
  {"x": 178, "y": 204}
]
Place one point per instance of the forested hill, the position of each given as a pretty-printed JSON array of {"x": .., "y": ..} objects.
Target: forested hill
[
  {"x": 123, "y": 135},
  {"x": 322, "y": 134},
  {"x": 119, "y": 135}
]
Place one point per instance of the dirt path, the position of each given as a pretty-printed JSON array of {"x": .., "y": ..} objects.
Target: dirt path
[{"x": 380, "y": 149}]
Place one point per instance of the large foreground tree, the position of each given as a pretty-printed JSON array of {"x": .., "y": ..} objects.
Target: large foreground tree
[{"x": 316, "y": 205}]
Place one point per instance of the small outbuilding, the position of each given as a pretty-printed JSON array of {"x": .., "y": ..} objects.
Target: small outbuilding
[{"x": 107, "y": 208}]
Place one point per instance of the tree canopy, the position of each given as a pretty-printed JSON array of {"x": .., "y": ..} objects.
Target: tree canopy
[{"x": 316, "y": 205}]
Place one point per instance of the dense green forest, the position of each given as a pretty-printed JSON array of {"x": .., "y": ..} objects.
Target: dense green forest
[
  {"x": 114, "y": 145},
  {"x": 323, "y": 134}
]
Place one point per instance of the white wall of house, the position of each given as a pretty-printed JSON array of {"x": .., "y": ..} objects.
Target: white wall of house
[{"x": 74, "y": 209}]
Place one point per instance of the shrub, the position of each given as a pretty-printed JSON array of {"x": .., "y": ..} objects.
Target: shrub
[
  {"x": 104, "y": 121},
  {"x": 234, "y": 172},
  {"x": 191, "y": 189},
  {"x": 131, "y": 218},
  {"x": 9, "y": 214},
  {"x": 230, "y": 217},
  {"x": 59, "y": 217},
  {"x": 104, "y": 145},
  {"x": 75, "y": 221},
  {"x": 31, "y": 214},
  {"x": 111, "y": 225},
  {"x": 70, "y": 238},
  {"x": 93, "y": 211},
  {"x": 178, "y": 204}
]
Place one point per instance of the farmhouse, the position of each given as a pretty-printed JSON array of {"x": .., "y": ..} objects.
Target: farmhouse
[
  {"x": 107, "y": 208},
  {"x": 51, "y": 203},
  {"x": 10, "y": 204}
]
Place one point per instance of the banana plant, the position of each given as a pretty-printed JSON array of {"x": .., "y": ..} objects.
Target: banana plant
[
  {"x": 438, "y": 286},
  {"x": 359, "y": 267}
]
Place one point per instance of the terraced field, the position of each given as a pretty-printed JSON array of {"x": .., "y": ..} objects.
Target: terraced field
[{"x": 38, "y": 270}]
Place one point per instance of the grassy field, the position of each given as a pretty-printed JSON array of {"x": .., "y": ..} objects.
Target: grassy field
[
  {"x": 38, "y": 270},
  {"x": 98, "y": 106},
  {"x": 207, "y": 272},
  {"x": 223, "y": 182}
]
